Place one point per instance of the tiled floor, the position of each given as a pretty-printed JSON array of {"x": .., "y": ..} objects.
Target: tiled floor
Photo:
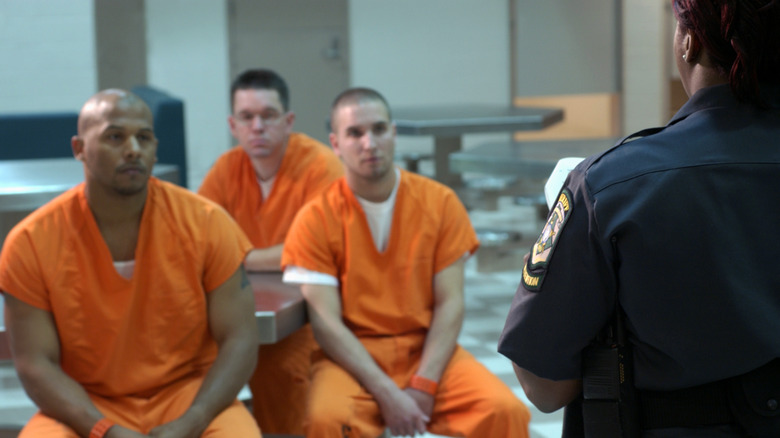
[
  {"x": 488, "y": 297},
  {"x": 15, "y": 407}
]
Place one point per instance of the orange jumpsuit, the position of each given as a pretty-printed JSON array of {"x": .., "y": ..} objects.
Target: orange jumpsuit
[
  {"x": 140, "y": 347},
  {"x": 281, "y": 380},
  {"x": 387, "y": 302}
]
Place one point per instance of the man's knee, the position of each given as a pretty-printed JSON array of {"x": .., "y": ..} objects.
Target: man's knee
[
  {"x": 512, "y": 407},
  {"x": 234, "y": 421},
  {"x": 41, "y": 425},
  {"x": 324, "y": 414},
  {"x": 501, "y": 406},
  {"x": 507, "y": 411}
]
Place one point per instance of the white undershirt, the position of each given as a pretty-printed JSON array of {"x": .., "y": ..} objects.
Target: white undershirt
[
  {"x": 379, "y": 216},
  {"x": 125, "y": 268}
]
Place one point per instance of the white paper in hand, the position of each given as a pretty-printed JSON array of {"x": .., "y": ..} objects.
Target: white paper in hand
[{"x": 558, "y": 177}]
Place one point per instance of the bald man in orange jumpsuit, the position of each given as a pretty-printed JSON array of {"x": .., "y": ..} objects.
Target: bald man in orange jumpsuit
[
  {"x": 380, "y": 259},
  {"x": 128, "y": 309},
  {"x": 262, "y": 183}
]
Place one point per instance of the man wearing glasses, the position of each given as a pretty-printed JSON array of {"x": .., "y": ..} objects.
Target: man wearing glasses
[{"x": 262, "y": 183}]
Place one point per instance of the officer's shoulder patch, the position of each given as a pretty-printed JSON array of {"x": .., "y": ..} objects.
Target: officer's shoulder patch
[{"x": 536, "y": 266}]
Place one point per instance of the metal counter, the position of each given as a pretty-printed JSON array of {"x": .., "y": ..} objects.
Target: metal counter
[
  {"x": 448, "y": 123},
  {"x": 28, "y": 184},
  {"x": 279, "y": 308},
  {"x": 533, "y": 160}
]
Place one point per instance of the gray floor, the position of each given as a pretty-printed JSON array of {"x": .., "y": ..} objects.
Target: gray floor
[{"x": 488, "y": 296}]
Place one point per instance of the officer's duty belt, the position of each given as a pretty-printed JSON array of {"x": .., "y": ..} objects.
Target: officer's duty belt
[
  {"x": 704, "y": 405},
  {"x": 752, "y": 400}
]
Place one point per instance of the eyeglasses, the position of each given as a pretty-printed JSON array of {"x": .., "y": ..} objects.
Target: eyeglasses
[{"x": 268, "y": 118}]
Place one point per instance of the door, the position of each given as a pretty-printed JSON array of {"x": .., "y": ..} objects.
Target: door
[{"x": 305, "y": 41}]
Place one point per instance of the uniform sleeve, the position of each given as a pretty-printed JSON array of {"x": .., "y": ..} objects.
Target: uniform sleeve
[
  {"x": 307, "y": 245},
  {"x": 457, "y": 236},
  {"x": 226, "y": 246},
  {"x": 294, "y": 274},
  {"x": 20, "y": 270},
  {"x": 566, "y": 294}
]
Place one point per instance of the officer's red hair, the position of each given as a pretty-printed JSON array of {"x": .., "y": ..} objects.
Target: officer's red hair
[{"x": 741, "y": 37}]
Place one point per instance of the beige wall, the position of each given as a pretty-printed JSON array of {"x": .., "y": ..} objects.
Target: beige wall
[
  {"x": 120, "y": 40},
  {"x": 305, "y": 41},
  {"x": 646, "y": 46},
  {"x": 432, "y": 51},
  {"x": 48, "y": 55},
  {"x": 187, "y": 56}
]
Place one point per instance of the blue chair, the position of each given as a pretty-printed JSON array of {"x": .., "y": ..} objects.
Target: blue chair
[
  {"x": 168, "y": 115},
  {"x": 48, "y": 134}
]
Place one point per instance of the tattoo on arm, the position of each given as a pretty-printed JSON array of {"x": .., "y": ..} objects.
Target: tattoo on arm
[{"x": 244, "y": 279}]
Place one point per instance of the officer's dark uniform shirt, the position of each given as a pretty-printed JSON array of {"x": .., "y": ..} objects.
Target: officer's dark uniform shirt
[{"x": 684, "y": 225}]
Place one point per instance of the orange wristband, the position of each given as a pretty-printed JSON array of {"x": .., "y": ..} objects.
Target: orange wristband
[
  {"x": 100, "y": 428},
  {"x": 420, "y": 383}
]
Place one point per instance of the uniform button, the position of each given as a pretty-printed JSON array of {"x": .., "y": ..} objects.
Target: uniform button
[{"x": 771, "y": 404}]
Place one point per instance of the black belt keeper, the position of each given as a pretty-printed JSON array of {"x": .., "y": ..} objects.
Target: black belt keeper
[{"x": 704, "y": 405}]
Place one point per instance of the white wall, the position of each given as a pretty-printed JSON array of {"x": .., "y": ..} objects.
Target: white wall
[
  {"x": 187, "y": 56},
  {"x": 567, "y": 47},
  {"x": 415, "y": 52},
  {"x": 431, "y": 52},
  {"x": 647, "y": 40},
  {"x": 48, "y": 55}
]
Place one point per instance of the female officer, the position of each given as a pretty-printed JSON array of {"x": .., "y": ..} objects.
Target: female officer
[{"x": 676, "y": 228}]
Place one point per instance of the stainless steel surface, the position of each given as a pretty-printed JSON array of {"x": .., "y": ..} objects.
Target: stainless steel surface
[
  {"x": 532, "y": 169},
  {"x": 27, "y": 184},
  {"x": 452, "y": 120},
  {"x": 279, "y": 310},
  {"x": 279, "y": 307},
  {"x": 489, "y": 238},
  {"x": 448, "y": 123},
  {"x": 532, "y": 160}
]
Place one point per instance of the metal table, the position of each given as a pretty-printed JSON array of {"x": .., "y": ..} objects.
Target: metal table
[
  {"x": 279, "y": 308},
  {"x": 28, "y": 184},
  {"x": 448, "y": 123},
  {"x": 520, "y": 169},
  {"x": 532, "y": 159}
]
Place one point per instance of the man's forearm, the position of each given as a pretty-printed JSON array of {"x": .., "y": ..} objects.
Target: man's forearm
[
  {"x": 341, "y": 345},
  {"x": 232, "y": 325},
  {"x": 446, "y": 322},
  {"x": 58, "y": 396},
  {"x": 441, "y": 339},
  {"x": 228, "y": 374}
]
